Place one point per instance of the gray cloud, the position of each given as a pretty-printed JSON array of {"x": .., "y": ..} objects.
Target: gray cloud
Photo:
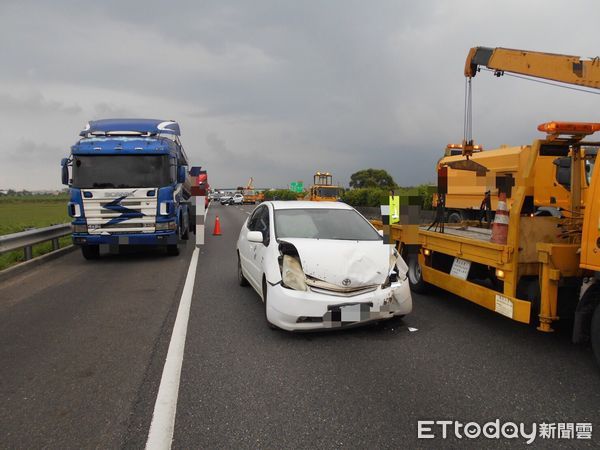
[
  {"x": 27, "y": 151},
  {"x": 34, "y": 102},
  {"x": 106, "y": 109},
  {"x": 277, "y": 90}
]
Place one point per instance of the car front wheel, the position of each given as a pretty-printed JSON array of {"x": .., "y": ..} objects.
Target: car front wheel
[
  {"x": 241, "y": 278},
  {"x": 265, "y": 301}
]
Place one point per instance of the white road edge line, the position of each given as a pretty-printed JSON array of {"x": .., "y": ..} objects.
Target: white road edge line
[{"x": 162, "y": 427}]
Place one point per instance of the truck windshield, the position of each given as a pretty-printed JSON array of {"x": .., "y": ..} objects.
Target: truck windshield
[
  {"x": 328, "y": 192},
  {"x": 342, "y": 224},
  {"x": 121, "y": 171}
]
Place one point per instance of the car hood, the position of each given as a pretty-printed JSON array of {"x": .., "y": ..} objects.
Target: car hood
[{"x": 364, "y": 263}]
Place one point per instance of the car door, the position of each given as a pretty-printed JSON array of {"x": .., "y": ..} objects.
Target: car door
[
  {"x": 257, "y": 249},
  {"x": 247, "y": 248}
]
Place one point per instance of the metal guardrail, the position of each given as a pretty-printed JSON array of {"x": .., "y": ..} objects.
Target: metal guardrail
[{"x": 26, "y": 239}]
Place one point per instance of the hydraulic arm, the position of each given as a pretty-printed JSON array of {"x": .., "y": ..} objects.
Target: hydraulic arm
[{"x": 562, "y": 68}]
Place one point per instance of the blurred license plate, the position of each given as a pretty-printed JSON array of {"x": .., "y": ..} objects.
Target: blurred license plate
[
  {"x": 347, "y": 313},
  {"x": 350, "y": 313},
  {"x": 123, "y": 240}
]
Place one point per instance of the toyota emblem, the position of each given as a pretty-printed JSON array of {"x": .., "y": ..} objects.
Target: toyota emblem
[{"x": 347, "y": 282}]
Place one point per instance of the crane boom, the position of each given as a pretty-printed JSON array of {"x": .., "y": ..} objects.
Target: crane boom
[{"x": 551, "y": 66}]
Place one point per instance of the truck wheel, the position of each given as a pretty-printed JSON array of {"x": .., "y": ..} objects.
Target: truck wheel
[
  {"x": 173, "y": 250},
  {"x": 241, "y": 278},
  {"x": 90, "y": 251},
  {"x": 455, "y": 217},
  {"x": 415, "y": 276},
  {"x": 186, "y": 232},
  {"x": 595, "y": 333}
]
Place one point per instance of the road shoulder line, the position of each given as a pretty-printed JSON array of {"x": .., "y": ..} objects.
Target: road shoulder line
[{"x": 162, "y": 426}]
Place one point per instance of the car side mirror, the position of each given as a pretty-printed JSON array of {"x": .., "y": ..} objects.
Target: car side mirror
[
  {"x": 65, "y": 171},
  {"x": 255, "y": 236}
]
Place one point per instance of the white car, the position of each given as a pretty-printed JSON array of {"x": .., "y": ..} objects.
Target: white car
[
  {"x": 237, "y": 199},
  {"x": 320, "y": 265}
]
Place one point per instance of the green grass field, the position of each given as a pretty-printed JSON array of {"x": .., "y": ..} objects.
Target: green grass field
[{"x": 36, "y": 211}]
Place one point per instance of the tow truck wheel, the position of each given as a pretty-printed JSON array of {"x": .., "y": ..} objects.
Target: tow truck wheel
[
  {"x": 529, "y": 289},
  {"x": 455, "y": 217},
  {"x": 415, "y": 276},
  {"x": 595, "y": 333},
  {"x": 90, "y": 251}
]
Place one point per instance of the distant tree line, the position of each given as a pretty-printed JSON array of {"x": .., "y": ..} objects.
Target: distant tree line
[
  {"x": 372, "y": 187},
  {"x": 26, "y": 193}
]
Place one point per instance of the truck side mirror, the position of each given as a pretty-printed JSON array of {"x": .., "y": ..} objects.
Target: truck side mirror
[
  {"x": 181, "y": 174},
  {"x": 65, "y": 171}
]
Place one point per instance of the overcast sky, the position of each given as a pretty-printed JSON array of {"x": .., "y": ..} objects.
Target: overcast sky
[{"x": 279, "y": 89}]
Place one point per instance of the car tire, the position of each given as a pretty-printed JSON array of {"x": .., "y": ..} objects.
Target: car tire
[
  {"x": 90, "y": 251},
  {"x": 265, "y": 301},
  {"x": 241, "y": 278},
  {"x": 415, "y": 275}
]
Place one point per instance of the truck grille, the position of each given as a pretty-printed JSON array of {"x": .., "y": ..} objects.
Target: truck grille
[{"x": 120, "y": 210}]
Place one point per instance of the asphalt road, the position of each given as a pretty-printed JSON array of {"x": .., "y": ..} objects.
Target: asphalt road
[{"x": 83, "y": 346}]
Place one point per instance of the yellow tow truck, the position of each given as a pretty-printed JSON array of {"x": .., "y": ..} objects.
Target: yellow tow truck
[{"x": 537, "y": 274}]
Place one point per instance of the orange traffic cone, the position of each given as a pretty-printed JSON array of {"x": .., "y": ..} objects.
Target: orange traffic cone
[
  {"x": 500, "y": 224},
  {"x": 217, "y": 230}
]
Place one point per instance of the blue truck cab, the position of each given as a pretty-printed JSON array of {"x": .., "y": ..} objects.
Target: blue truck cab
[{"x": 129, "y": 185}]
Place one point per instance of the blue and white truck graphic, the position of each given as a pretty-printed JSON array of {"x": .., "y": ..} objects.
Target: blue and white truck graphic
[{"x": 129, "y": 185}]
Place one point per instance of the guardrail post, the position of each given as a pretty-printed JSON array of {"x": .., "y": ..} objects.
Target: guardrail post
[
  {"x": 28, "y": 252},
  {"x": 55, "y": 244}
]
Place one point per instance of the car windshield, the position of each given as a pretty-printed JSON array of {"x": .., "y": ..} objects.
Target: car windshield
[
  {"x": 121, "y": 171},
  {"x": 321, "y": 223}
]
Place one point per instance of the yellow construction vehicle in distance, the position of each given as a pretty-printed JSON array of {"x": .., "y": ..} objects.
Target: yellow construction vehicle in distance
[
  {"x": 323, "y": 189},
  {"x": 250, "y": 194}
]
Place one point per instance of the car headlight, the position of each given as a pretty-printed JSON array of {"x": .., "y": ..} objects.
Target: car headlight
[
  {"x": 292, "y": 275},
  {"x": 165, "y": 226}
]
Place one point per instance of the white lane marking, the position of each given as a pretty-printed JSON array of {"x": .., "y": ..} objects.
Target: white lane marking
[{"x": 160, "y": 435}]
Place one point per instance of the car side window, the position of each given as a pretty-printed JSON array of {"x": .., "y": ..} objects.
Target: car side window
[
  {"x": 263, "y": 225},
  {"x": 254, "y": 218}
]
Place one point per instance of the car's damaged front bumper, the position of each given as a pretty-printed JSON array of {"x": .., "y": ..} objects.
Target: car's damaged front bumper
[{"x": 311, "y": 310}]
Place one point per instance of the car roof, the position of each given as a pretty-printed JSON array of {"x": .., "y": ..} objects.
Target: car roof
[{"x": 298, "y": 204}]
